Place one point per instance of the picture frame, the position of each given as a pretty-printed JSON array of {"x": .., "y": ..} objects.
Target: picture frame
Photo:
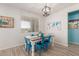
[
  {"x": 73, "y": 24},
  {"x": 6, "y": 22}
]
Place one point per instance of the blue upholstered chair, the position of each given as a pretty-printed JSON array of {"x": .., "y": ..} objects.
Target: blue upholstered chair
[
  {"x": 40, "y": 45},
  {"x": 45, "y": 43},
  {"x": 48, "y": 41},
  {"x": 27, "y": 45}
]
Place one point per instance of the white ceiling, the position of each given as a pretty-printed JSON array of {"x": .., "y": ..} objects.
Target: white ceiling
[{"x": 37, "y": 7}]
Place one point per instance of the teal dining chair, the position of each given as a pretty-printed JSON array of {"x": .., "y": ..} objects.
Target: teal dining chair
[
  {"x": 27, "y": 45},
  {"x": 48, "y": 41},
  {"x": 40, "y": 45}
]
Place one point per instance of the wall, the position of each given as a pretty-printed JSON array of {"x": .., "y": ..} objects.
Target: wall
[
  {"x": 11, "y": 37},
  {"x": 61, "y": 35}
]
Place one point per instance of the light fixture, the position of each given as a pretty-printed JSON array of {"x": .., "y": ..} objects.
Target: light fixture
[{"x": 46, "y": 10}]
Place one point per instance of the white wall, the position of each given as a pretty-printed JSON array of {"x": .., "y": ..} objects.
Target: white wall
[
  {"x": 11, "y": 37},
  {"x": 61, "y": 35},
  {"x": 73, "y": 8}
]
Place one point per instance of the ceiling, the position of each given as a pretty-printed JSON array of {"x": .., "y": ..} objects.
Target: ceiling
[{"x": 37, "y": 7}]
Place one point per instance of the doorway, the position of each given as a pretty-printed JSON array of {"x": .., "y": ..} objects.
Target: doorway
[{"x": 73, "y": 27}]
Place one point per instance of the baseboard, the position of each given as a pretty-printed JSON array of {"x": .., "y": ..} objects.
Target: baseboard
[
  {"x": 74, "y": 43},
  {"x": 14, "y": 45},
  {"x": 61, "y": 44}
]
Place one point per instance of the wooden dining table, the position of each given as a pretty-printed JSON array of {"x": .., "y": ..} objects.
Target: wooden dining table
[{"x": 33, "y": 39}]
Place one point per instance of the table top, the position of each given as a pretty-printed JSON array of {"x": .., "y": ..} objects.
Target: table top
[{"x": 33, "y": 38}]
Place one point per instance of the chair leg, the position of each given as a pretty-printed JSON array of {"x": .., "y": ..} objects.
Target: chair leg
[
  {"x": 46, "y": 48},
  {"x": 29, "y": 51},
  {"x": 40, "y": 52}
]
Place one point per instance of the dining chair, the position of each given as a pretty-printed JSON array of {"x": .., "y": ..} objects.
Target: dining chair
[
  {"x": 40, "y": 44},
  {"x": 48, "y": 42},
  {"x": 27, "y": 45},
  {"x": 44, "y": 44}
]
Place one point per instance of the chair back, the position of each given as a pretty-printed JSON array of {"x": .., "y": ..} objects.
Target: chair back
[
  {"x": 27, "y": 41},
  {"x": 49, "y": 38},
  {"x": 42, "y": 37}
]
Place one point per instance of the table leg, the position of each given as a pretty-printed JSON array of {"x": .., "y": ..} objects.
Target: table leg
[{"x": 32, "y": 48}]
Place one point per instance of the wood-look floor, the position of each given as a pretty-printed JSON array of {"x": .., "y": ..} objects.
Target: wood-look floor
[{"x": 57, "y": 50}]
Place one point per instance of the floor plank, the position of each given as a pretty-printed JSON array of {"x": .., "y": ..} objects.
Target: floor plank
[{"x": 57, "y": 50}]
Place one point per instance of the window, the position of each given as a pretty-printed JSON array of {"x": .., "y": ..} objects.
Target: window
[{"x": 25, "y": 24}]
